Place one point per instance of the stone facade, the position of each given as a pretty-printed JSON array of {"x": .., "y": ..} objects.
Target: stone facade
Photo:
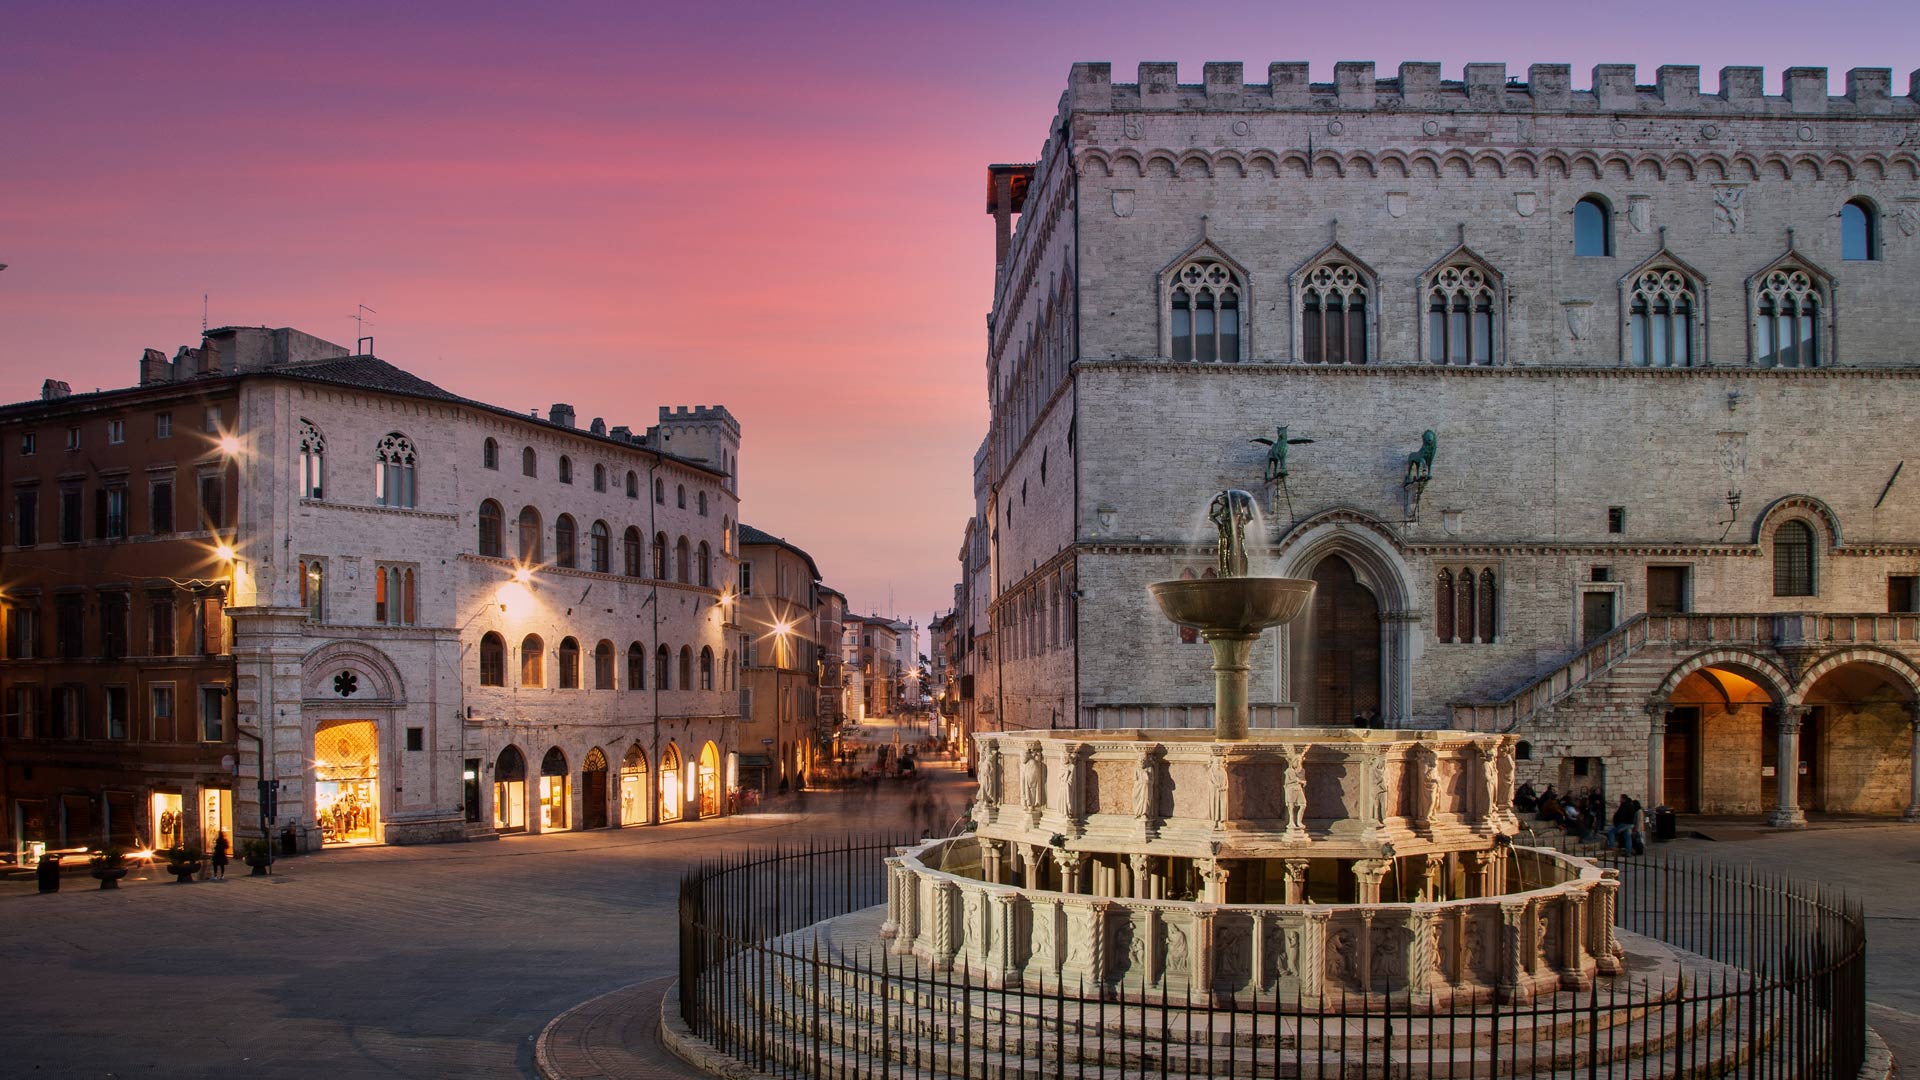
[{"x": 1576, "y": 483}]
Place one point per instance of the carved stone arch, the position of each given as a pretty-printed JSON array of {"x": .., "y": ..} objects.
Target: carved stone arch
[
  {"x": 1776, "y": 167},
  {"x": 1797, "y": 508},
  {"x": 1556, "y": 165},
  {"x": 1131, "y": 157},
  {"x": 1229, "y": 159},
  {"x": 1394, "y": 163},
  {"x": 1743, "y": 166},
  {"x": 1789, "y": 279},
  {"x": 1197, "y": 160},
  {"x": 1295, "y": 163},
  {"x": 1684, "y": 164},
  {"x": 1870, "y": 167},
  {"x": 1902, "y": 669},
  {"x": 1488, "y": 160},
  {"x": 1495, "y": 282},
  {"x": 1908, "y": 164},
  {"x": 1087, "y": 160},
  {"x": 375, "y": 678},
  {"x": 1457, "y": 158},
  {"x": 1651, "y": 162},
  {"x": 1811, "y": 162},
  {"x": 1523, "y": 163},
  {"x": 1693, "y": 282},
  {"x": 1204, "y": 251},
  {"x": 1379, "y": 563},
  {"x": 1844, "y": 168},
  {"x": 1584, "y": 164},
  {"x": 1332, "y": 161},
  {"x": 1616, "y": 166},
  {"x": 1160, "y": 163},
  {"x": 1713, "y": 167},
  {"x": 1766, "y": 674},
  {"x": 1263, "y": 161},
  {"x": 1297, "y": 283},
  {"x": 1360, "y": 161},
  {"x": 1425, "y": 163}
]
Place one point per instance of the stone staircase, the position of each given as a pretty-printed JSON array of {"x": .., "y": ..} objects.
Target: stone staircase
[{"x": 817, "y": 1003}]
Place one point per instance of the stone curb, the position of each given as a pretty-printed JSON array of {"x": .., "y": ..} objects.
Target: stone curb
[
  {"x": 1879, "y": 1059},
  {"x": 543, "y": 1057},
  {"x": 690, "y": 1048}
]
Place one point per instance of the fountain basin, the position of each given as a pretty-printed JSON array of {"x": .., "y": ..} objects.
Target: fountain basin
[{"x": 1232, "y": 605}]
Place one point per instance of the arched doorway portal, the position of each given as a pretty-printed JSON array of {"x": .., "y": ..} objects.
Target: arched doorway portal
[
  {"x": 1709, "y": 754},
  {"x": 673, "y": 801},
  {"x": 1855, "y": 740},
  {"x": 346, "y": 773},
  {"x": 553, "y": 791},
  {"x": 633, "y": 787},
  {"x": 593, "y": 790},
  {"x": 1337, "y": 665},
  {"x": 510, "y": 791},
  {"x": 709, "y": 781}
]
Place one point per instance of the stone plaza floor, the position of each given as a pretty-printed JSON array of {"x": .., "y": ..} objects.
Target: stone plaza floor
[{"x": 449, "y": 960}]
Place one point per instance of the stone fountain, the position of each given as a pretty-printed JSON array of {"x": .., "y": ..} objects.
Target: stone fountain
[{"x": 1304, "y": 861}]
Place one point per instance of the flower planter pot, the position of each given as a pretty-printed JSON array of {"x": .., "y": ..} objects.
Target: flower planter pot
[
  {"x": 259, "y": 864},
  {"x": 183, "y": 872},
  {"x": 110, "y": 879}
]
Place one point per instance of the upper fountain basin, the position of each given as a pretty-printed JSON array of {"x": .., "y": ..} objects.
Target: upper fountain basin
[{"x": 1233, "y": 604}]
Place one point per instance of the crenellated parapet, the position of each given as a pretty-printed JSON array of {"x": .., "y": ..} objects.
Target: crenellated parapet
[{"x": 1486, "y": 87}]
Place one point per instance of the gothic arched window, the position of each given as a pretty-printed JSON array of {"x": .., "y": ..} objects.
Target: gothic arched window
[
  {"x": 493, "y": 659},
  {"x": 636, "y": 667},
  {"x": 660, "y": 556},
  {"x": 662, "y": 663},
  {"x": 686, "y": 667},
  {"x": 599, "y": 478},
  {"x": 1462, "y": 315},
  {"x": 569, "y": 664},
  {"x": 631, "y": 555},
  {"x": 490, "y": 454},
  {"x": 490, "y": 523},
  {"x": 565, "y": 469},
  {"x": 683, "y": 561},
  {"x": 533, "y": 661},
  {"x": 1333, "y": 314},
  {"x": 1859, "y": 232},
  {"x": 603, "y": 665},
  {"x": 1443, "y": 606},
  {"x": 633, "y": 484},
  {"x": 705, "y": 558},
  {"x": 529, "y": 535},
  {"x": 1661, "y": 305},
  {"x": 313, "y": 459},
  {"x": 1793, "y": 559},
  {"x": 1786, "y": 318},
  {"x": 601, "y": 546},
  {"x": 529, "y": 462},
  {"x": 564, "y": 549},
  {"x": 706, "y": 667},
  {"x": 1203, "y": 312},
  {"x": 393, "y": 471},
  {"x": 1592, "y": 227}
]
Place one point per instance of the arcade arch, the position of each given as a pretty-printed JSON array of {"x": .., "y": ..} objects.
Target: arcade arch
[
  {"x": 673, "y": 799},
  {"x": 633, "y": 786}
]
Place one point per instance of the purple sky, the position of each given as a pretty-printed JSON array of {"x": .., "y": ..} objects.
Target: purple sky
[{"x": 778, "y": 207}]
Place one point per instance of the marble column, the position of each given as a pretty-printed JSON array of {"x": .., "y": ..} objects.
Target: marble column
[
  {"x": 1214, "y": 873},
  {"x": 1070, "y": 863},
  {"x": 1293, "y": 872},
  {"x": 1137, "y": 864},
  {"x": 1030, "y": 855},
  {"x": 1478, "y": 868},
  {"x": 1004, "y": 968},
  {"x": 1913, "y": 764},
  {"x": 1367, "y": 876},
  {"x": 1786, "y": 810},
  {"x": 1656, "y": 755},
  {"x": 1201, "y": 957}
]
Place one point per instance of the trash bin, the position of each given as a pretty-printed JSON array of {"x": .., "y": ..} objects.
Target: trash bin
[
  {"x": 48, "y": 873},
  {"x": 1666, "y": 825},
  {"x": 289, "y": 843}
]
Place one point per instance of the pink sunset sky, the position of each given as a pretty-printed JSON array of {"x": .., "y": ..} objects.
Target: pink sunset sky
[{"x": 778, "y": 207}]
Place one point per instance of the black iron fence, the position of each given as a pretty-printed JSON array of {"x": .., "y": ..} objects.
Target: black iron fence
[{"x": 1762, "y": 978}]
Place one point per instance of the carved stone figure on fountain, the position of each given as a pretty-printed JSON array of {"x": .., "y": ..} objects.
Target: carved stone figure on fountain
[
  {"x": 1032, "y": 794},
  {"x": 1295, "y": 786}
]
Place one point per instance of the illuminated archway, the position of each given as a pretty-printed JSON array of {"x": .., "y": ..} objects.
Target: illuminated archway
[
  {"x": 708, "y": 781},
  {"x": 510, "y": 791},
  {"x": 593, "y": 790},
  {"x": 673, "y": 799},
  {"x": 633, "y": 786},
  {"x": 553, "y": 791},
  {"x": 346, "y": 773}
]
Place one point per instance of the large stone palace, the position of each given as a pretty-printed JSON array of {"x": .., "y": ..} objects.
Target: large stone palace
[{"x": 1585, "y": 409}]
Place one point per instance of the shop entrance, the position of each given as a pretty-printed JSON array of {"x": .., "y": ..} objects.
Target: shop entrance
[
  {"x": 1680, "y": 748},
  {"x": 169, "y": 824},
  {"x": 633, "y": 787},
  {"x": 672, "y": 802},
  {"x": 709, "y": 781},
  {"x": 593, "y": 791},
  {"x": 553, "y": 791},
  {"x": 346, "y": 770},
  {"x": 216, "y": 816},
  {"x": 510, "y": 791}
]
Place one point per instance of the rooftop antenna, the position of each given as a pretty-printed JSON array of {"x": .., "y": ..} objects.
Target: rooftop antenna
[
  {"x": 362, "y": 341},
  {"x": 203, "y": 314}
]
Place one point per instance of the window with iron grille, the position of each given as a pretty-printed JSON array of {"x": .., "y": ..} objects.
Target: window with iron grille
[{"x": 1793, "y": 559}]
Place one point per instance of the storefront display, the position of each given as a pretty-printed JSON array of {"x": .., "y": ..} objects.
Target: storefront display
[
  {"x": 510, "y": 791},
  {"x": 169, "y": 824},
  {"x": 346, "y": 781}
]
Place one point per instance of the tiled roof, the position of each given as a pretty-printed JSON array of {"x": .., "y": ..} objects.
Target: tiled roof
[{"x": 751, "y": 535}]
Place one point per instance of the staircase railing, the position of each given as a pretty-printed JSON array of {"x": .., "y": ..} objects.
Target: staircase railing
[{"x": 1689, "y": 630}]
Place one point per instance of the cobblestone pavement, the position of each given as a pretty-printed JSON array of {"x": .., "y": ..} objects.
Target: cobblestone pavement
[
  {"x": 448, "y": 961},
  {"x": 388, "y": 962}
]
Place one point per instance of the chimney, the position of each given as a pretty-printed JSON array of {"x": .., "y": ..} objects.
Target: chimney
[
  {"x": 598, "y": 427},
  {"x": 153, "y": 367},
  {"x": 561, "y": 413},
  {"x": 623, "y": 433},
  {"x": 54, "y": 390}
]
